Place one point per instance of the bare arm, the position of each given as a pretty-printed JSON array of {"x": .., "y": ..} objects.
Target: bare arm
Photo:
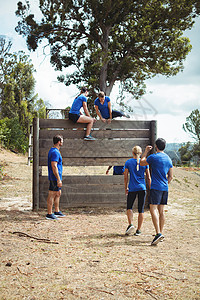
[
  {"x": 86, "y": 109},
  {"x": 148, "y": 178},
  {"x": 99, "y": 114},
  {"x": 126, "y": 181},
  {"x": 110, "y": 109},
  {"x": 108, "y": 170},
  {"x": 143, "y": 160},
  {"x": 170, "y": 175},
  {"x": 55, "y": 172}
]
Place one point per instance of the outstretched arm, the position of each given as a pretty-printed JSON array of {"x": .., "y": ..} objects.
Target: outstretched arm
[
  {"x": 143, "y": 160},
  {"x": 99, "y": 114}
]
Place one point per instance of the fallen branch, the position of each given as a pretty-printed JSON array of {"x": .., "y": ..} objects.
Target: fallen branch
[
  {"x": 110, "y": 293},
  {"x": 33, "y": 237}
]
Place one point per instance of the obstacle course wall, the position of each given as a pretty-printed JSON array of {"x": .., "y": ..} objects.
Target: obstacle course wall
[{"x": 112, "y": 147}]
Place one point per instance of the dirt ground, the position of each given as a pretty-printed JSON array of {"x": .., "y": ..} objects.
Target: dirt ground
[{"x": 86, "y": 254}]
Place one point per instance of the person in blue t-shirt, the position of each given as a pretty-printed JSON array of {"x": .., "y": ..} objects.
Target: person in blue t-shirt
[
  {"x": 162, "y": 174},
  {"x": 136, "y": 187},
  {"x": 104, "y": 110},
  {"x": 55, "y": 179},
  {"x": 117, "y": 170},
  {"x": 76, "y": 116}
]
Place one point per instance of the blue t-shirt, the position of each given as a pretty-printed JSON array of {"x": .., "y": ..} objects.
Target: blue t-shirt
[
  {"x": 54, "y": 155},
  {"x": 137, "y": 180},
  {"x": 77, "y": 104},
  {"x": 103, "y": 108},
  {"x": 160, "y": 164},
  {"x": 118, "y": 170}
]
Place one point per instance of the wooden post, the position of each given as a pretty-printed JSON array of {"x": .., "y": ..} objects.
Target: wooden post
[
  {"x": 35, "y": 164},
  {"x": 153, "y": 132}
]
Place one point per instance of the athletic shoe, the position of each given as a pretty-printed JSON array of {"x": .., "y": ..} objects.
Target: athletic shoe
[
  {"x": 138, "y": 232},
  {"x": 59, "y": 214},
  {"x": 89, "y": 138},
  {"x": 158, "y": 237},
  {"x": 51, "y": 217},
  {"x": 126, "y": 115},
  {"x": 129, "y": 229}
]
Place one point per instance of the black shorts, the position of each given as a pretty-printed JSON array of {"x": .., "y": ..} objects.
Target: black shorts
[
  {"x": 141, "y": 200},
  {"x": 53, "y": 186},
  {"x": 74, "y": 117},
  {"x": 158, "y": 197}
]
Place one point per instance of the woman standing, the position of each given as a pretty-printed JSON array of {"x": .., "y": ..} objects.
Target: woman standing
[
  {"x": 76, "y": 116},
  {"x": 136, "y": 187}
]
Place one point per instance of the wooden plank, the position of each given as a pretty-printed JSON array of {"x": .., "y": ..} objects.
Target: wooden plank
[
  {"x": 88, "y": 179},
  {"x": 117, "y": 124},
  {"x": 35, "y": 164},
  {"x": 99, "y": 134},
  {"x": 88, "y": 200},
  {"x": 88, "y": 161},
  {"x": 98, "y": 148}
]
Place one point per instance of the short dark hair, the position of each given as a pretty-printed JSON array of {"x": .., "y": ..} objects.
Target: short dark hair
[
  {"x": 160, "y": 143},
  {"x": 57, "y": 138},
  {"x": 84, "y": 89}
]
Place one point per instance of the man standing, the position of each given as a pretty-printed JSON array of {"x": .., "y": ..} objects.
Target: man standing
[
  {"x": 55, "y": 179},
  {"x": 161, "y": 166}
]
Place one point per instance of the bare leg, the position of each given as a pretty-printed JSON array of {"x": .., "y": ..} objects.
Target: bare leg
[
  {"x": 85, "y": 119},
  {"x": 57, "y": 201},
  {"x": 161, "y": 217},
  {"x": 140, "y": 220},
  {"x": 129, "y": 213},
  {"x": 50, "y": 201},
  {"x": 155, "y": 217}
]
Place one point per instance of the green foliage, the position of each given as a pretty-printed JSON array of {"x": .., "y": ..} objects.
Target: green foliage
[
  {"x": 18, "y": 104},
  {"x": 185, "y": 152},
  {"x": 192, "y": 125},
  {"x": 12, "y": 135},
  {"x": 109, "y": 41}
]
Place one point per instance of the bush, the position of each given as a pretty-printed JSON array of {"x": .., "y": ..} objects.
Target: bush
[{"x": 12, "y": 136}]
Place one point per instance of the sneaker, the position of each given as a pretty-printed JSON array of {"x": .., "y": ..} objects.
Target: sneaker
[
  {"x": 126, "y": 115},
  {"x": 129, "y": 229},
  {"x": 138, "y": 232},
  {"x": 59, "y": 214},
  {"x": 89, "y": 138},
  {"x": 51, "y": 217},
  {"x": 158, "y": 237}
]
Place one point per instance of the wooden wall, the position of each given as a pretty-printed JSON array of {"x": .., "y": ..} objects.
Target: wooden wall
[{"x": 112, "y": 147}]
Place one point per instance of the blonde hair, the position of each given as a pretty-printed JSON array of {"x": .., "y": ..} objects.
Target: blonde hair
[{"x": 137, "y": 150}]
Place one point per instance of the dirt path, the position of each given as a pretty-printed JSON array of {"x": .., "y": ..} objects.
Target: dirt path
[{"x": 86, "y": 255}]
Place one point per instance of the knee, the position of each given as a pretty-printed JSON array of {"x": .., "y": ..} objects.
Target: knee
[{"x": 58, "y": 194}]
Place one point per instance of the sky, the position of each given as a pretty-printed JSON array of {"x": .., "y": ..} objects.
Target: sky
[{"x": 169, "y": 101}]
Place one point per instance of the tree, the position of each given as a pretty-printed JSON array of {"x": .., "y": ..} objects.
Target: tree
[
  {"x": 110, "y": 41},
  {"x": 192, "y": 125},
  {"x": 185, "y": 152}
]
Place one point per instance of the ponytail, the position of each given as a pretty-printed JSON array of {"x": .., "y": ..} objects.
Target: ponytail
[{"x": 137, "y": 150}]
